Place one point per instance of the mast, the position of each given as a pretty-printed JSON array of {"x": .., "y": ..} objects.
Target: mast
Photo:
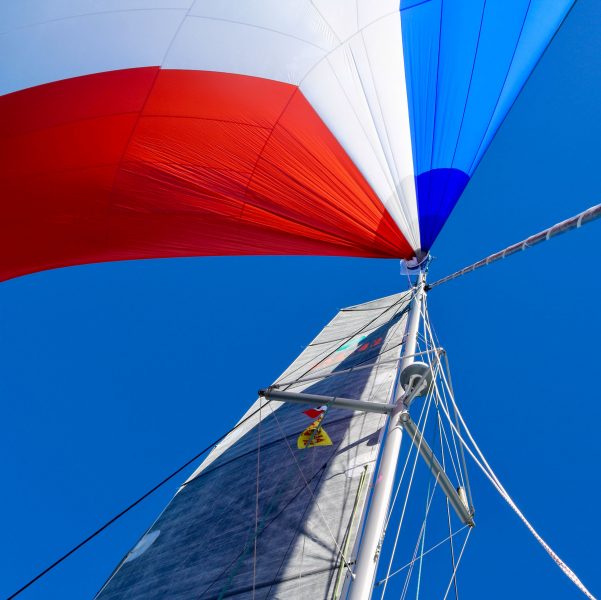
[{"x": 371, "y": 541}]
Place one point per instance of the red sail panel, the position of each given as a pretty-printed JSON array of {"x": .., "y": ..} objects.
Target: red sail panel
[{"x": 151, "y": 163}]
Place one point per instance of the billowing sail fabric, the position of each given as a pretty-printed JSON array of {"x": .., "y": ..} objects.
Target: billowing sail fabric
[
  {"x": 274, "y": 510},
  {"x": 465, "y": 62},
  {"x": 161, "y": 128}
]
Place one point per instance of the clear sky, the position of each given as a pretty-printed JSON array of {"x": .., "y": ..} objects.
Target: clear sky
[{"x": 112, "y": 375}]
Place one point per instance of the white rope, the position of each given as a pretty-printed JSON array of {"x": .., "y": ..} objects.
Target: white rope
[
  {"x": 441, "y": 399},
  {"x": 400, "y": 482},
  {"x": 489, "y": 473},
  {"x": 410, "y": 484},
  {"x": 451, "y": 545},
  {"x": 437, "y": 545},
  {"x": 454, "y": 573},
  {"x": 435, "y": 368},
  {"x": 425, "y": 407},
  {"x": 420, "y": 539}
]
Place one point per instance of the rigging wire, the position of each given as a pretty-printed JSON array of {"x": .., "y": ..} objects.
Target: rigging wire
[
  {"x": 420, "y": 541},
  {"x": 421, "y": 556},
  {"x": 454, "y": 573},
  {"x": 460, "y": 452},
  {"x": 574, "y": 222},
  {"x": 425, "y": 409},
  {"x": 135, "y": 503},
  {"x": 402, "y": 518},
  {"x": 347, "y": 564},
  {"x": 452, "y": 547},
  {"x": 466, "y": 483},
  {"x": 436, "y": 366},
  {"x": 461, "y": 467},
  {"x": 481, "y": 462},
  {"x": 437, "y": 545}
]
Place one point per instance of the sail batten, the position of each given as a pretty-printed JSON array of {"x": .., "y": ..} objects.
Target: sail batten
[{"x": 274, "y": 510}]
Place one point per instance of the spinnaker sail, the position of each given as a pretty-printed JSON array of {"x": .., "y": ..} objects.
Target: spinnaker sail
[
  {"x": 163, "y": 128},
  {"x": 274, "y": 510}
]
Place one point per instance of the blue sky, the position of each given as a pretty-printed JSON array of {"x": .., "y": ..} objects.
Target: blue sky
[{"x": 109, "y": 372}]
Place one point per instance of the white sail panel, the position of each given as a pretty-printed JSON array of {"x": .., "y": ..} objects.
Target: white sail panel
[{"x": 268, "y": 515}]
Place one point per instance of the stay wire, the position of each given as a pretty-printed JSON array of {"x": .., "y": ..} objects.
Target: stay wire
[
  {"x": 123, "y": 512},
  {"x": 420, "y": 540},
  {"x": 452, "y": 546},
  {"x": 426, "y": 406},
  {"x": 406, "y": 566},
  {"x": 454, "y": 573},
  {"x": 482, "y": 463},
  {"x": 448, "y": 383},
  {"x": 575, "y": 222}
]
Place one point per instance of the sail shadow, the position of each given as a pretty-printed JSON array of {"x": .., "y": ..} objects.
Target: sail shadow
[{"x": 268, "y": 518}]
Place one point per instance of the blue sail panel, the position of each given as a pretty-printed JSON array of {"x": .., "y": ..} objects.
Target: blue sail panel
[{"x": 465, "y": 63}]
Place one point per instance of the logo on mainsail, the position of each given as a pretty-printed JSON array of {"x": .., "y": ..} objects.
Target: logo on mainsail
[{"x": 314, "y": 435}]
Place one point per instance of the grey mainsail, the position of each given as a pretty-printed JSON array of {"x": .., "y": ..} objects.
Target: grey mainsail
[{"x": 274, "y": 510}]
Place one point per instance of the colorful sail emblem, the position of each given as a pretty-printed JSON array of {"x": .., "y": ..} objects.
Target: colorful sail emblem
[
  {"x": 313, "y": 413},
  {"x": 314, "y": 435}
]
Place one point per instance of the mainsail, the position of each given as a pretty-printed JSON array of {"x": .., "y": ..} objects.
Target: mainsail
[{"x": 274, "y": 510}]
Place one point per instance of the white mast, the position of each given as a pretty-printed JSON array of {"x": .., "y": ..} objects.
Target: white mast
[{"x": 369, "y": 551}]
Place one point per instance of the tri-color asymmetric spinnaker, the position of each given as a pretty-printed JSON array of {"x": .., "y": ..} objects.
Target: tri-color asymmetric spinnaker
[
  {"x": 170, "y": 128},
  {"x": 159, "y": 128}
]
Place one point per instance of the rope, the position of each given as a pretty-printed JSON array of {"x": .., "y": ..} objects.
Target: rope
[
  {"x": 574, "y": 222},
  {"x": 482, "y": 463},
  {"x": 421, "y": 557},
  {"x": 132, "y": 505},
  {"x": 437, "y": 545},
  {"x": 414, "y": 557},
  {"x": 423, "y": 414},
  {"x": 452, "y": 547},
  {"x": 421, "y": 538},
  {"x": 439, "y": 399},
  {"x": 454, "y": 573}
]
